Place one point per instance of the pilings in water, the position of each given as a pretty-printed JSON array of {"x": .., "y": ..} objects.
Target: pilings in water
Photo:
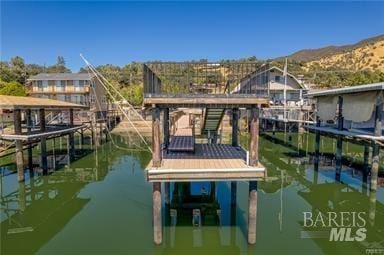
[
  {"x": 43, "y": 143},
  {"x": 19, "y": 146},
  {"x": 71, "y": 137},
  {"x": 157, "y": 218},
  {"x": 339, "y": 142},
  {"x": 28, "y": 116},
  {"x": 375, "y": 145},
  {"x": 252, "y": 212}
]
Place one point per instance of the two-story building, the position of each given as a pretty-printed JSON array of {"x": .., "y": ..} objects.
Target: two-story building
[
  {"x": 274, "y": 81},
  {"x": 79, "y": 88}
]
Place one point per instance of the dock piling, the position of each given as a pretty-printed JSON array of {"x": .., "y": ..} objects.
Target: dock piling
[
  {"x": 156, "y": 149},
  {"x": 252, "y": 212},
  {"x": 254, "y": 139},
  {"x": 235, "y": 126},
  {"x": 19, "y": 146},
  {"x": 157, "y": 218}
]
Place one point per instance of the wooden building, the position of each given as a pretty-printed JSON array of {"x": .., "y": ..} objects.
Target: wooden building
[
  {"x": 26, "y": 133},
  {"x": 353, "y": 114}
]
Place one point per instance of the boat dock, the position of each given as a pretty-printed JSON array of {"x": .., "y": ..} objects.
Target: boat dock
[
  {"x": 353, "y": 114},
  {"x": 178, "y": 158}
]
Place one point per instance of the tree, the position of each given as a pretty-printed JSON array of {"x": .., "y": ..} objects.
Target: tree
[{"x": 12, "y": 89}]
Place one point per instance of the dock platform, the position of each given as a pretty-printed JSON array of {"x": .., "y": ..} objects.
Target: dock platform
[{"x": 209, "y": 162}]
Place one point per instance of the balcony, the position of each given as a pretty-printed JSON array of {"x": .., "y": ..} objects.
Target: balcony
[{"x": 59, "y": 90}]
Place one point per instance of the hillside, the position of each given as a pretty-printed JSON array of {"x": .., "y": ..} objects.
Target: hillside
[{"x": 367, "y": 54}]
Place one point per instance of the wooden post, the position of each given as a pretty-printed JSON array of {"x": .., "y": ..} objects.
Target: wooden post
[
  {"x": 233, "y": 193},
  {"x": 339, "y": 143},
  {"x": 365, "y": 169},
  {"x": 43, "y": 143},
  {"x": 19, "y": 145},
  {"x": 166, "y": 127},
  {"x": 252, "y": 212},
  {"x": 301, "y": 121},
  {"x": 28, "y": 115},
  {"x": 375, "y": 146},
  {"x": 156, "y": 149},
  {"x": 212, "y": 192},
  {"x": 71, "y": 136},
  {"x": 235, "y": 126},
  {"x": 254, "y": 138},
  {"x": 167, "y": 195},
  {"x": 317, "y": 144},
  {"x": 157, "y": 218}
]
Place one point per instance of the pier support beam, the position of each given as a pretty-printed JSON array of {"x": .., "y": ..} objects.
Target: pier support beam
[
  {"x": 166, "y": 126},
  {"x": 252, "y": 212},
  {"x": 156, "y": 149},
  {"x": 43, "y": 143},
  {"x": 375, "y": 146},
  {"x": 254, "y": 139},
  {"x": 339, "y": 155},
  {"x": 317, "y": 145},
  {"x": 71, "y": 137},
  {"x": 157, "y": 218},
  {"x": 167, "y": 195},
  {"x": 28, "y": 116},
  {"x": 365, "y": 169},
  {"x": 233, "y": 192},
  {"x": 19, "y": 145},
  {"x": 235, "y": 126},
  {"x": 339, "y": 144}
]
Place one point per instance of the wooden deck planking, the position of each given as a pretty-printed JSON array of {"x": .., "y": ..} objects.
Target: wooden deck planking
[{"x": 209, "y": 162}]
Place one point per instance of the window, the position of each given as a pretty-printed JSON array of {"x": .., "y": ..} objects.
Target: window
[
  {"x": 39, "y": 85},
  {"x": 277, "y": 78},
  {"x": 78, "y": 85},
  {"x": 45, "y": 85},
  {"x": 60, "y": 85}
]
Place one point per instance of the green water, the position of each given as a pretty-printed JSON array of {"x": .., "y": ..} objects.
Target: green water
[{"x": 102, "y": 204}]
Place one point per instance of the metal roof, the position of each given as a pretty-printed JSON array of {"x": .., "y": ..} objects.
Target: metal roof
[
  {"x": 348, "y": 90},
  {"x": 61, "y": 76},
  {"x": 13, "y": 102}
]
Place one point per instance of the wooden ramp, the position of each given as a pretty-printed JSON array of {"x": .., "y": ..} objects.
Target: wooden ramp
[
  {"x": 209, "y": 162},
  {"x": 183, "y": 140}
]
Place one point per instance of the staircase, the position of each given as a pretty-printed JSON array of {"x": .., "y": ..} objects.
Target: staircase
[{"x": 212, "y": 120}]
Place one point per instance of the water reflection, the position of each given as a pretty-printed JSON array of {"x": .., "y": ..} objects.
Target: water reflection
[{"x": 104, "y": 197}]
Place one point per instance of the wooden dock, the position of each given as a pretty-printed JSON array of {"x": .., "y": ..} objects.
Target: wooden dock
[{"x": 209, "y": 162}]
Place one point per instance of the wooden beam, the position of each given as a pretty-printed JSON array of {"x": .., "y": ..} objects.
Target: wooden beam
[
  {"x": 375, "y": 145},
  {"x": 252, "y": 212},
  {"x": 19, "y": 146},
  {"x": 28, "y": 115},
  {"x": 157, "y": 218},
  {"x": 235, "y": 126},
  {"x": 156, "y": 148},
  {"x": 71, "y": 136},
  {"x": 166, "y": 126},
  {"x": 254, "y": 138},
  {"x": 201, "y": 101},
  {"x": 43, "y": 143}
]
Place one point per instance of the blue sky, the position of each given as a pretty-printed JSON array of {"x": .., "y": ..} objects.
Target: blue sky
[{"x": 121, "y": 32}]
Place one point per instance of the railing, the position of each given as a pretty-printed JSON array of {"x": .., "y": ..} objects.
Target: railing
[
  {"x": 175, "y": 78},
  {"x": 59, "y": 90}
]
